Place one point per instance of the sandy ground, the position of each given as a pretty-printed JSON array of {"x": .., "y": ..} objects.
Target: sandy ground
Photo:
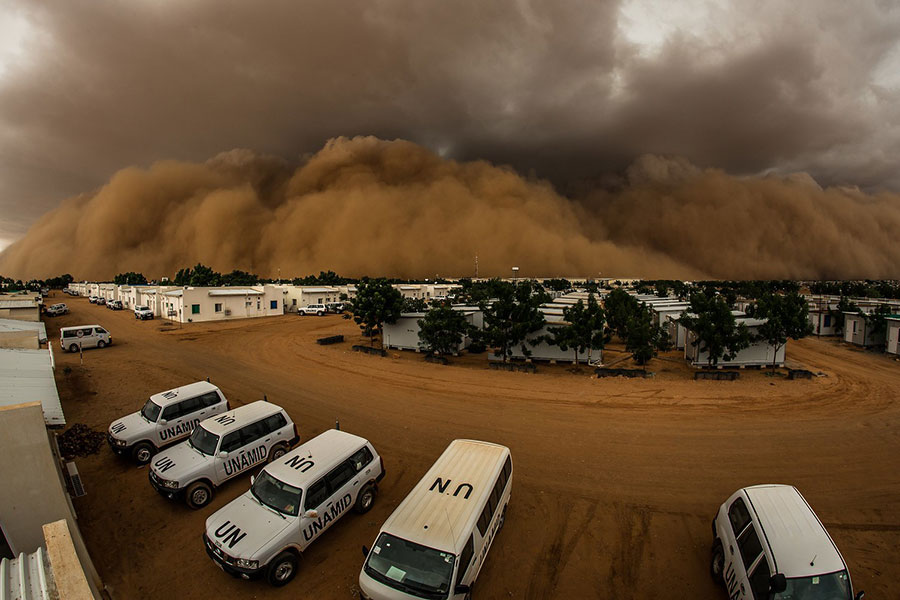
[{"x": 615, "y": 482}]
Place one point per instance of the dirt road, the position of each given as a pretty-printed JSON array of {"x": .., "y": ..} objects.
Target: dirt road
[{"x": 615, "y": 482}]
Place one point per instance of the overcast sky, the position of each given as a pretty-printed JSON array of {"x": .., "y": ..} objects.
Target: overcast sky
[{"x": 566, "y": 90}]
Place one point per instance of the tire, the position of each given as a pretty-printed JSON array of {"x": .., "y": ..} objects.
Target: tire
[
  {"x": 320, "y": 314},
  {"x": 198, "y": 495},
  {"x": 101, "y": 344},
  {"x": 142, "y": 452},
  {"x": 73, "y": 348},
  {"x": 717, "y": 563},
  {"x": 282, "y": 569},
  {"x": 365, "y": 499},
  {"x": 277, "y": 452}
]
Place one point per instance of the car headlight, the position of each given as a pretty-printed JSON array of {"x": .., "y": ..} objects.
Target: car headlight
[
  {"x": 169, "y": 484},
  {"x": 246, "y": 563}
]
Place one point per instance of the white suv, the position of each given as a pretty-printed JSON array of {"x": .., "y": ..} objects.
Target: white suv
[
  {"x": 166, "y": 418},
  {"x": 768, "y": 543},
  {"x": 313, "y": 309},
  {"x": 143, "y": 312},
  {"x": 290, "y": 503},
  {"x": 221, "y": 448}
]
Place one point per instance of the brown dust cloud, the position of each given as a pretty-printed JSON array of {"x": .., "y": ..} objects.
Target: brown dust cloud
[{"x": 365, "y": 205}]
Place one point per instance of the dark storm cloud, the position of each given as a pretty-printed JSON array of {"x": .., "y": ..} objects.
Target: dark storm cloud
[{"x": 565, "y": 90}]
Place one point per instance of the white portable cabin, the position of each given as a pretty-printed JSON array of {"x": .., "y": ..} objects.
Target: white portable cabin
[
  {"x": 199, "y": 304},
  {"x": 758, "y": 354},
  {"x": 893, "y": 335},
  {"x": 543, "y": 350},
  {"x": 858, "y": 331},
  {"x": 295, "y": 297},
  {"x": 404, "y": 334},
  {"x": 109, "y": 291}
]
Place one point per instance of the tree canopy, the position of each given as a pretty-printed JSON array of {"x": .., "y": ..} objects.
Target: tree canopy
[
  {"x": 511, "y": 315},
  {"x": 442, "y": 329},
  {"x": 130, "y": 278},
  {"x": 376, "y": 302},
  {"x": 715, "y": 328},
  {"x": 584, "y": 329},
  {"x": 786, "y": 315}
]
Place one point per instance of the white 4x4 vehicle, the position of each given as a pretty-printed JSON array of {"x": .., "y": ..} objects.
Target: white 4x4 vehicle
[
  {"x": 221, "y": 448},
  {"x": 57, "y": 309},
  {"x": 313, "y": 309},
  {"x": 143, "y": 312},
  {"x": 166, "y": 418},
  {"x": 768, "y": 544},
  {"x": 290, "y": 503}
]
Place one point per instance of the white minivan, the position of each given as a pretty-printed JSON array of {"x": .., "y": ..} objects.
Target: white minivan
[
  {"x": 435, "y": 543},
  {"x": 74, "y": 339},
  {"x": 291, "y": 503},
  {"x": 166, "y": 418},
  {"x": 221, "y": 448},
  {"x": 768, "y": 544}
]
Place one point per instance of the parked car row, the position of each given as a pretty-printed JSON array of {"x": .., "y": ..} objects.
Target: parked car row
[{"x": 432, "y": 546}]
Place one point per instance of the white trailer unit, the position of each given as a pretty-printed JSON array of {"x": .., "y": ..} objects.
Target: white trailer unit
[
  {"x": 404, "y": 334},
  {"x": 893, "y": 334},
  {"x": 758, "y": 354}
]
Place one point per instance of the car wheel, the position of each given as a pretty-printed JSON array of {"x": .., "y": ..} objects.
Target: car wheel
[
  {"x": 73, "y": 348},
  {"x": 198, "y": 494},
  {"x": 319, "y": 314},
  {"x": 282, "y": 569},
  {"x": 277, "y": 452},
  {"x": 101, "y": 344},
  {"x": 365, "y": 500},
  {"x": 142, "y": 452},
  {"x": 717, "y": 563}
]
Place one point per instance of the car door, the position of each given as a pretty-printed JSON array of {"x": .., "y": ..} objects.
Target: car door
[
  {"x": 171, "y": 427},
  {"x": 739, "y": 528},
  {"x": 246, "y": 448},
  {"x": 330, "y": 497}
]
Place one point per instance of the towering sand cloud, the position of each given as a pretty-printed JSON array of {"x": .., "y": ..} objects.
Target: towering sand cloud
[{"x": 365, "y": 205}]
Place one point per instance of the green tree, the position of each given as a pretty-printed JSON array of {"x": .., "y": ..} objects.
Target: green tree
[
  {"x": 376, "y": 302},
  {"x": 558, "y": 284},
  {"x": 662, "y": 289},
  {"x": 845, "y": 305},
  {"x": 414, "y": 305},
  {"x": 584, "y": 329},
  {"x": 643, "y": 338},
  {"x": 876, "y": 323},
  {"x": 237, "y": 277},
  {"x": 442, "y": 329},
  {"x": 714, "y": 328},
  {"x": 786, "y": 316},
  {"x": 511, "y": 316},
  {"x": 620, "y": 306},
  {"x": 130, "y": 278}
]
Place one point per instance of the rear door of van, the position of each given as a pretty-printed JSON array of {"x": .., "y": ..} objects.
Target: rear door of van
[{"x": 740, "y": 537}]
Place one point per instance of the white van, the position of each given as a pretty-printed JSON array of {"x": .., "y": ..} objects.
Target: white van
[
  {"x": 306, "y": 491},
  {"x": 166, "y": 418},
  {"x": 768, "y": 543},
  {"x": 434, "y": 544},
  {"x": 83, "y": 336},
  {"x": 221, "y": 448}
]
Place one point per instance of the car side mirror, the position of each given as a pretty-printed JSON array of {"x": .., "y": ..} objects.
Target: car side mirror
[
  {"x": 462, "y": 589},
  {"x": 223, "y": 454},
  {"x": 777, "y": 583},
  {"x": 859, "y": 596},
  {"x": 365, "y": 551},
  {"x": 163, "y": 421},
  {"x": 311, "y": 514}
]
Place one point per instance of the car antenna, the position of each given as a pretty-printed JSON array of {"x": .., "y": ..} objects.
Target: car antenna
[
  {"x": 812, "y": 563},
  {"x": 265, "y": 398},
  {"x": 207, "y": 379},
  {"x": 337, "y": 424}
]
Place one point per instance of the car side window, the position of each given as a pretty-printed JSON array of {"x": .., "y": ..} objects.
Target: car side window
[
  {"x": 231, "y": 442},
  {"x": 361, "y": 458},
  {"x": 465, "y": 559},
  {"x": 275, "y": 422},
  {"x": 190, "y": 405},
  {"x": 750, "y": 546},
  {"x": 209, "y": 399},
  {"x": 316, "y": 494},
  {"x": 343, "y": 473},
  {"x": 738, "y": 515},
  {"x": 759, "y": 580},
  {"x": 172, "y": 411},
  {"x": 100, "y": 330},
  {"x": 253, "y": 432},
  {"x": 87, "y": 331}
]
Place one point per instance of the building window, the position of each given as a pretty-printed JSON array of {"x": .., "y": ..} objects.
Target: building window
[
  {"x": 218, "y": 308},
  {"x": 195, "y": 309},
  {"x": 854, "y": 326},
  {"x": 293, "y": 302},
  {"x": 827, "y": 320},
  {"x": 274, "y": 304}
]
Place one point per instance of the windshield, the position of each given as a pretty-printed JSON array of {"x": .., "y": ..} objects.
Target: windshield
[
  {"x": 417, "y": 570},
  {"x": 150, "y": 411},
  {"x": 204, "y": 441},
  {"x": 276, "y": 494},
  {"x": 834, "y": 586}
]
